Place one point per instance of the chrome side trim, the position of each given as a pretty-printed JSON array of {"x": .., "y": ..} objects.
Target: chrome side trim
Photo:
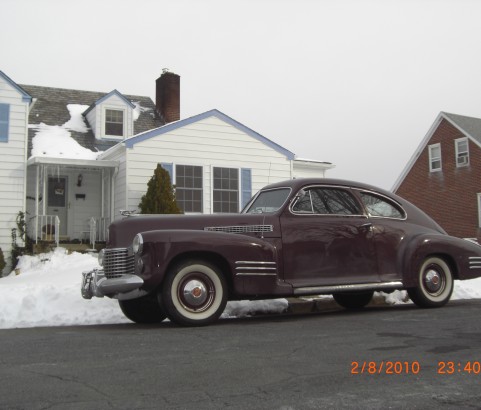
[
  {"x": 474, "y": 262},
  {"x": 255, "y": 274},
  {"x": 256, "y": 268},
  {"x": 346, "y": 288},
  {"x": 240, "y": 228}
]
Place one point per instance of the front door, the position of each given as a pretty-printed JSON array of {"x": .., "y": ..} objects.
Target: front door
[
  {"x": 57, "y": 203},
  {"x": 327, "y": 240}
]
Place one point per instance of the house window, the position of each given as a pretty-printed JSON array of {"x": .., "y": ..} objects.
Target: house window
[
  {"x": 114, "y": 123},
  {"x": 462, "y": 152},
  {"x": 188, "y": 187},
  {"x": 226, "y": 190},
  {"x": 435, "y": 163},
  {"x": 4, "y": 119}
]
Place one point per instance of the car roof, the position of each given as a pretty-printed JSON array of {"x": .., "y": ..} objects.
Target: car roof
[{"x": 300, "y": 182}]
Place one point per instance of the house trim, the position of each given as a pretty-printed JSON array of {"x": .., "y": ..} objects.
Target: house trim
[
  {"x": 25, "y": 96},
  {"x": 107, "y": 96}
]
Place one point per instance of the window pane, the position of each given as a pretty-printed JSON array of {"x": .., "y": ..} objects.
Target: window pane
[
  {"x": 377, "y": 206},
  {"x": 188, "y": 182},
  {"x": 114, "y": 122},
  {"x": 334, "y": 201},
  {"x": 226, "y": 189}
]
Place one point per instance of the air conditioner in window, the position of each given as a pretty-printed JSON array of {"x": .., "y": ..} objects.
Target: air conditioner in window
[{"x": 463, "y": 160}]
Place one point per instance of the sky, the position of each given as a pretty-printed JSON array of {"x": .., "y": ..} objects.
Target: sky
[
  {"x": 45, "y": 291},
  {"x": 354, "y": 82}
]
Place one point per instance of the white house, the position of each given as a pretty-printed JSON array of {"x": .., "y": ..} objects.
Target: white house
[{"x": 73, "y": 159}]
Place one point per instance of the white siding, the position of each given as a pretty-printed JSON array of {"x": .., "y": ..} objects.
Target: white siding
[
  {"x": 120, "y": 181},
  {"x": 309, "y": 169},
  {"x": 210, "y": 142},
  {"x": 12, "y": 164}
]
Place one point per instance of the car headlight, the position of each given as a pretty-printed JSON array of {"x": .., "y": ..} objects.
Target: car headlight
[
  {"x": 137, "y": 243},
  {"x": 101, "y": 257}
]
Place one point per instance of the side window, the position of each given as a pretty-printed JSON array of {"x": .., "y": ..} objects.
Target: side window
[
  {"x": 114, "y": 123},
  {"x": 381, "y": 207},
  {"x": 435, "y": 162},
  {"x": 462, "y": 152},
  {"x": 327, "y": 201},
  {"x": 4, "y": 118}
]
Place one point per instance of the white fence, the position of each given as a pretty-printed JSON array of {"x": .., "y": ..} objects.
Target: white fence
[{"x": 45, "y": 228}]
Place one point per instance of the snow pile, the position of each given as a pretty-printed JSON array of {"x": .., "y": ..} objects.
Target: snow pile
[
  {"x": 46, "y": 292},
  {"x": 56, "y": 141}
]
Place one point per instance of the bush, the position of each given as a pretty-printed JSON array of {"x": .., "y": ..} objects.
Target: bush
[
  {"x": 2, "y": 261},
  {"x": 159, "y": 198}
]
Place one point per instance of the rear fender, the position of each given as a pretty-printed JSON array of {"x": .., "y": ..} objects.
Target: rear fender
[{"x": 458, "y": 253}]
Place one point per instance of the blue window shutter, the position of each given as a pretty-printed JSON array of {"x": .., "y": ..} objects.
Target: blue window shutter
[
  {"x": 169, "y": 167},
  {"x": 4, "y": 119},
  {"x": 246, "y": 185}
]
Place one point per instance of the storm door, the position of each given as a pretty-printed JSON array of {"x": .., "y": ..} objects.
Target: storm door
[{"x": 57, "y": 203}]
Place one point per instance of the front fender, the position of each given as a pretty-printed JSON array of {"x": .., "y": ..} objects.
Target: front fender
[
  {"x": 460, "y": 254},
  {"x": 243, "y": 254}
]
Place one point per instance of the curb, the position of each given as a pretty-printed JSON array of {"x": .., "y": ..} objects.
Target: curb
[{"x": 323, "y": 304}]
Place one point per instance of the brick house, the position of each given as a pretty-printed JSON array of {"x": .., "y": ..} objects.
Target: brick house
[{"x": 443, "y": 176}]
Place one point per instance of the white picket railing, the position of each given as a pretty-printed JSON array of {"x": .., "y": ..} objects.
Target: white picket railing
[{"x": 46, "y": 228}]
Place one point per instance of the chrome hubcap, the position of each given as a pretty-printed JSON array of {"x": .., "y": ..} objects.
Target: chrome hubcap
[
  {"x": 433, "y": 280},
  {"x": 195, "y": 293}
]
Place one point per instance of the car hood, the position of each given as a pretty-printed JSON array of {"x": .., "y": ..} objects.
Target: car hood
[{"x": 122, "y": 232}]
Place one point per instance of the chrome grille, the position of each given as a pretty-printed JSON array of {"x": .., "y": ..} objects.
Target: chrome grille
[
  {"x": 117, "y": 262},
  {"x": 240, "y": 228}
]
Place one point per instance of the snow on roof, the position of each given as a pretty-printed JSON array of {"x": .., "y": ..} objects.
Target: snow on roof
[{"x": 56, "y": 141}]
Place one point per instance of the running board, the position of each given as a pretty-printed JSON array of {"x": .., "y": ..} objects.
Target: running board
[{"x": 347, "y": 288}]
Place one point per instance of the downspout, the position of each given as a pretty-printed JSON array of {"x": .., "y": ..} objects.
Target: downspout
[
  {"x": 102, "y": 213},
  {"x": 112, "y": 193},
  {"x": 37, "y": 189}
]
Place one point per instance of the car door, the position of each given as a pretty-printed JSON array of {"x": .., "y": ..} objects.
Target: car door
[
  {"x": 388, "y": 231},
  {"x": 327, "y": 239}
]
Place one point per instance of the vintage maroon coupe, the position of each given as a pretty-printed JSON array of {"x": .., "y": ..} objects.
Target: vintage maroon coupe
[{"x": 294, "y": 238}]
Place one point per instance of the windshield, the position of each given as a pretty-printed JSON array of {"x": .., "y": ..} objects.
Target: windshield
[{"x": 267, "y": 201}]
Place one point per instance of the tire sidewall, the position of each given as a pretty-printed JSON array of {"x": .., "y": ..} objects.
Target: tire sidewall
[
  {"x": 443, "y": 268},
  {"x": 176, "y": 311}
]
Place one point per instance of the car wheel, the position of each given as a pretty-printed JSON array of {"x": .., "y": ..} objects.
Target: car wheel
[
  {"x": 143, "y": 310},
  {"x": 194, "y": 293},
  {"x": 353, "y": 300},
  {"x": 435, "y": 284}
]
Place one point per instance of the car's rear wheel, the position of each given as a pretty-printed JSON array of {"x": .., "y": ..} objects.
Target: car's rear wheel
[
  {"x": 435, "y": 283},
  {"x": 194, "y": 293},
  {"x": 353, "y": 300},
  {"x": 146, "y": 309}
]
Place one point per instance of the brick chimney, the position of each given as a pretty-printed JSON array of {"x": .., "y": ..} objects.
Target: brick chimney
[{"x": 167, "y": 96}]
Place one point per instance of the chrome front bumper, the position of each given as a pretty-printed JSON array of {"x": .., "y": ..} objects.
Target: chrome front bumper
[{"x": 94, "y": 283}]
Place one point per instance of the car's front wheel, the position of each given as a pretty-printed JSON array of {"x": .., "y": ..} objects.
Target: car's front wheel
[
  {"x": 146, "y": 309},
  {"x": 194, "y": 293},
  {"x": 353, "y": 300},
  {"x": 435, "y": 284}
]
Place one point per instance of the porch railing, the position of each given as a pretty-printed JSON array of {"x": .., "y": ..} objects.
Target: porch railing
[{"x": 45, "y": 228}]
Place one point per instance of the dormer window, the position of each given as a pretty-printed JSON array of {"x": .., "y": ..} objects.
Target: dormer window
[{"x": 114, "y": 123}]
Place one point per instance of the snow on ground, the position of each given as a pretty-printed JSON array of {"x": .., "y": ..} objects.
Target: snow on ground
[{"x": 46, "y": 292}]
